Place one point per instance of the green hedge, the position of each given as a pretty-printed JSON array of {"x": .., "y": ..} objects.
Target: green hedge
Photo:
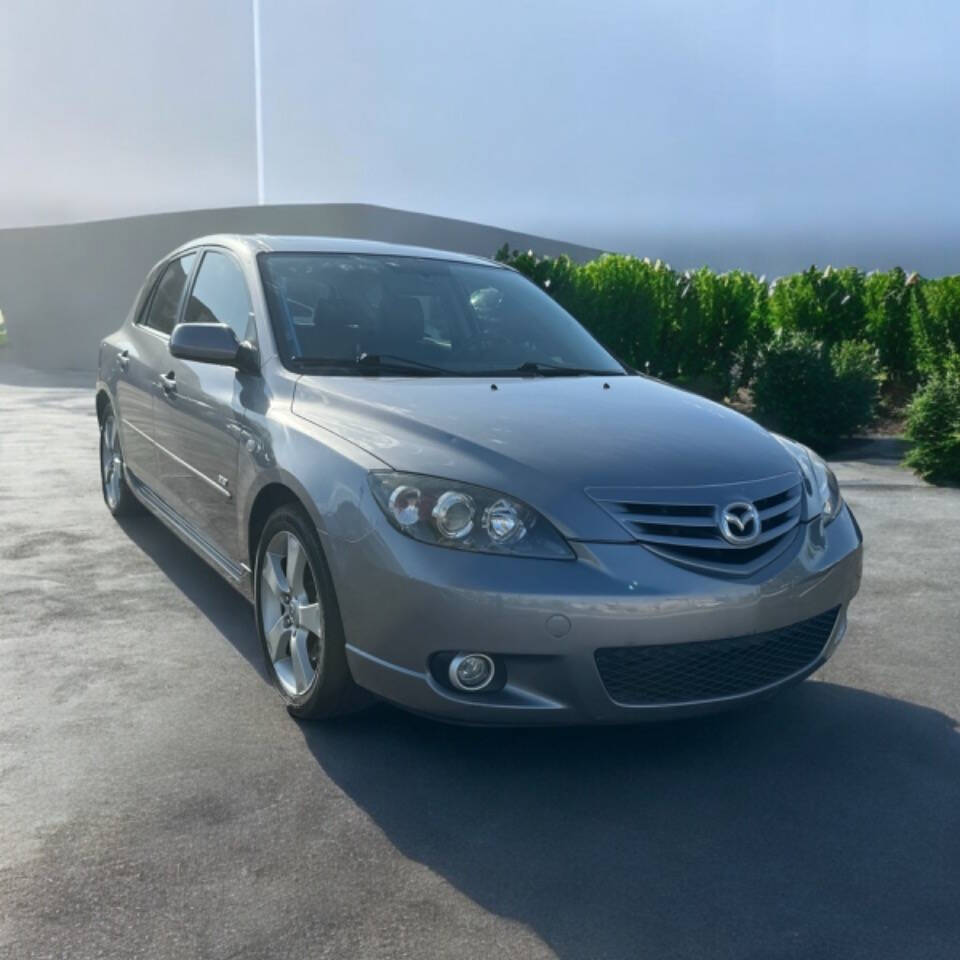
[
  {"x": 889, "y": 301},
  {"x": 935, "y": 314},
  {"x": 828, "y": 305},
  {"x": 704, "y": 327}
]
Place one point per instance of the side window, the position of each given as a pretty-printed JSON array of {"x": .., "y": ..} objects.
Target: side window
[
  {"x": 165, "y": 307},
  {"x": 220, "y": 295},
  {"x": 142, "y": 303}
]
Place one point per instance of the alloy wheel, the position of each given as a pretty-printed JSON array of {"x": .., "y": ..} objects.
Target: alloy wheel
[
  {"x": 291, "y": 613},
  {"x": 111, "y": 462}
]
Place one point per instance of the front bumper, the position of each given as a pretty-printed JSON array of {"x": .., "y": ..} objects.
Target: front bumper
[{"x": 403, "y": 602}]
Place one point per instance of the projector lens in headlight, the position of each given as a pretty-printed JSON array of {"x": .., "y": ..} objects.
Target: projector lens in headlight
[{"x": 454, "y": 514}]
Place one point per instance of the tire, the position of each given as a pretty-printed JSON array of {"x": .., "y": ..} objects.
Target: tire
[
  {"x": 298, "y": 620},
  {"x": 116, "y": 491}
]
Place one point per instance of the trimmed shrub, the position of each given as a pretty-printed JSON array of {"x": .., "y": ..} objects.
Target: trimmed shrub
[
  {"x": 814, "y": 392},
  {"x": 631, "y": 306},
  {"x": 933, "y": 425},
  {"x": 936, "y": 324},
  {"x": 888, "y": 304},
  {"x": 722, "y": 321},
  {"x": 856, "y": 377},
  {"x": 827, "y": 304}
]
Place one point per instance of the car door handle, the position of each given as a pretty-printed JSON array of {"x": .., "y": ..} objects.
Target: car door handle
[
  {"x": 168, "y": 381},
  {"x": 123, "y": 359}
]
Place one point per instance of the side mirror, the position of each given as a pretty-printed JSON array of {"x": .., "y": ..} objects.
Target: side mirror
[{"x": 212, "y": 343}]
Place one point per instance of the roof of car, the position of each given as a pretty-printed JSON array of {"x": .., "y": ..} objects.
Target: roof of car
[{"x": 265, "y": 243}]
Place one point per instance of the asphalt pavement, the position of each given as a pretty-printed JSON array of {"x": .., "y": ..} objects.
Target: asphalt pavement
[{"x": 157, "y": 801}]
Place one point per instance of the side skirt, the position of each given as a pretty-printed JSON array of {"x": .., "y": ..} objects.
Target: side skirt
[{"x": 237, "y": 575}]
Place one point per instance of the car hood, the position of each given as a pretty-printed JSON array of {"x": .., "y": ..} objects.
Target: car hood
[{"x": 546, "y": 440}]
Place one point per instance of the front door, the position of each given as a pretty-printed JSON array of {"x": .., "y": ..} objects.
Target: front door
[
  {"x": 198, "y": 416},
  {"x": 143, "y": 353}
]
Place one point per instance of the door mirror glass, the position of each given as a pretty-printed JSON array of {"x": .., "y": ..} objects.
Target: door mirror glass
[{"x": 206, "y": 343}]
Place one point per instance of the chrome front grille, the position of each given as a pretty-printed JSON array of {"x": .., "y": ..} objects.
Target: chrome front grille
[{"x": 682, "y": 523}]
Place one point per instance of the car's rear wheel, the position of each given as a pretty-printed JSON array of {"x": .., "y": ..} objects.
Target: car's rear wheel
[
  {"x": 117, "y": 494},
  {"x": 299, "y": 622}
]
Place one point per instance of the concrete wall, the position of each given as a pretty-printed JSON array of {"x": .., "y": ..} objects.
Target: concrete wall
[{"x": 62, "y": 288}]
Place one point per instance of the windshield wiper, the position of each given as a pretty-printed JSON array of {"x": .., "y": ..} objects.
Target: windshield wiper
[
  {"x": 392, "y": 360},
  {"x": 556, "y": 370},
  {"x": 370, "y": 364}
]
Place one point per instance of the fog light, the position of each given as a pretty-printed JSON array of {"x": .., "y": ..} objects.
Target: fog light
[{"x": 471, "y": 672}]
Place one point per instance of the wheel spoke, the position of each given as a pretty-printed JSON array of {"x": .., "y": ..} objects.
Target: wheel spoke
[
  {"x": 275, "y": 638},
  {"x": 273, "y": 576},
  {"x": 311, "y": 618},
  {"x": 300, "y": 660},
  {"x": 296, "y": 563}
]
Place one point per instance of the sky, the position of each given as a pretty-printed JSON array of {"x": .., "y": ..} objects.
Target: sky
[{"x": 754, "y": 133}]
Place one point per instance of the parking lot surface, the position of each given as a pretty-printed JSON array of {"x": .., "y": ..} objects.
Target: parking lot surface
[{"x": 157, "y": 801}]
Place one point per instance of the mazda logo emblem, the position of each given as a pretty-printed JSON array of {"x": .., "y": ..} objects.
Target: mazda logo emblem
[{"x": 740, "y": 523}]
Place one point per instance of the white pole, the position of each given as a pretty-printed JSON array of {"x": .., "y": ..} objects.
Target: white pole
[{"x": 258, "y": 100}]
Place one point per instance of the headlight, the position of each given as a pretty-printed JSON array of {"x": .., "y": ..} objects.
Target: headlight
[
  {"x": 823, "y": 490},
  {"x": 465, "y": 517}
]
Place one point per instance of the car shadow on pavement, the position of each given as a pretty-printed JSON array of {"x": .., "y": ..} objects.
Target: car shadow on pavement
[
  {"x": 822, "y": 824},
  {"x": 229, "y": 612}
]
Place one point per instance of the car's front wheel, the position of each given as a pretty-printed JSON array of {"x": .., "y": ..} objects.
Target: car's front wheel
[
  {"x": 117, "y": 494},
  {"x": 299, "y": 622}
]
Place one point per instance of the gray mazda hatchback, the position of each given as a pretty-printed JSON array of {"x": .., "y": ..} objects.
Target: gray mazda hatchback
[{"x": 437, "y": 488}]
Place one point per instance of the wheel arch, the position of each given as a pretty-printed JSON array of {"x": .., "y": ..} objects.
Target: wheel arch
[
  {"x": 268, "y": 499},
  {"x": 104, "y": 400}
]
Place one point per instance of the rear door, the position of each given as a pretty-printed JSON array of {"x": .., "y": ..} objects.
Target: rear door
[
  {"x": 143, "y": 357},
  {"x": 198, "y": 413}
]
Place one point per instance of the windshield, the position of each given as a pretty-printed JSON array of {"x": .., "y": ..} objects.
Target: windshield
[{"x": 421, "y": 317}]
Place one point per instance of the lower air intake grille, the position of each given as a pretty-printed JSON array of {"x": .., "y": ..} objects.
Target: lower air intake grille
[{"x": 687, "y": 672}]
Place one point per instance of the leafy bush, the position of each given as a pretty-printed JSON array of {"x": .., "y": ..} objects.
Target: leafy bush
[
  {"x": 936, "y": 324},
  {"x": 933, "y": 424},
  {"x": 814, "y": 392},
  {"x": 630, "y": 305},
  {"x": 828, "y": 304},
  {"x": 722, "y": 322},
  {"x": 889, "y": 300}
]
